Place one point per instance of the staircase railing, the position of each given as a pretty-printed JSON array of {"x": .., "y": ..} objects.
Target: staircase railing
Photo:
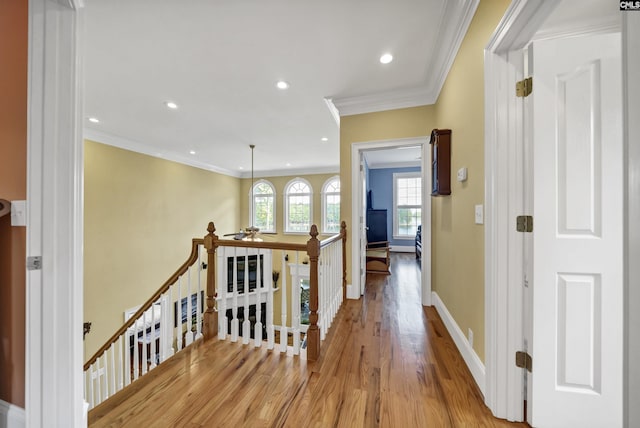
[
  {"x": 243, "y": 302},
  {"x": 152, "y": 334},
  {"x": 241, "y": 265}
]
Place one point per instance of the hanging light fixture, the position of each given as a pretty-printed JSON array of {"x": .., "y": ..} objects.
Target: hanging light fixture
[{"x": 252, "y": 230}]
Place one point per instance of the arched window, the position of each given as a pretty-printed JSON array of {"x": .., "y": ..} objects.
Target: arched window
[
  {"x": 331, "y": 205},
  {"x": 297, "y": 206},
  {"x": 263, "y": 208}
]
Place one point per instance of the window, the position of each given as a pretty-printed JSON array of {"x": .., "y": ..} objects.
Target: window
[
  {"x": 331, "y": 205},
  {"x": 407, "y": 204},
  {"x": 262, "y": 210},
  {"x": 297, "y": 208}
]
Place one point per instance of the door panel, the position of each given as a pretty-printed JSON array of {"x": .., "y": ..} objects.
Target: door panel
[
  {"x": 363, "y": 227},
  {"x": 577, "y": 294}
]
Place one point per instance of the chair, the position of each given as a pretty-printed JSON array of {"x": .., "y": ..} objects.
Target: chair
[{"x": 377, "y": 255}]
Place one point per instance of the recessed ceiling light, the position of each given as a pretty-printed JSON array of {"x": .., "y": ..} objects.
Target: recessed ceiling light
[
  {"x": 171, "y": 105},
  {"x": 240, "y": 167},
  {"x": 192, "y": 152},
  {"x": 281, "y": 84},
  {"x": 288, "y": 164},
  {"x": 94, "y": 120},
  {"x": 324, "y": 139},
  {"x": 386, "y": 58}
]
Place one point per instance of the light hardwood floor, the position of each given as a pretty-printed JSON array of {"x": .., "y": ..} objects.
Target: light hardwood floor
[{"x": 387, "y": 362}]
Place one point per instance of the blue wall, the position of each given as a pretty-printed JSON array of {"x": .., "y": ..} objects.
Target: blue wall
[{"x": 380, "y": 182}]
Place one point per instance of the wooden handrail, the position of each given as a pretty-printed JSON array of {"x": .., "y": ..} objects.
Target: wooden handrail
[
  {"x": 193, "y": 257},
  {"x": 211, "y": 242}
]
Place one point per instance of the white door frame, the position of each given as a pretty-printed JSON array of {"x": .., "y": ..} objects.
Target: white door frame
[
  {"x": 54, "y": 388},
  {"x": 503, "y": 307},
  {"x": 356, "y": 208},
  {"x": 631, "y": 138}
]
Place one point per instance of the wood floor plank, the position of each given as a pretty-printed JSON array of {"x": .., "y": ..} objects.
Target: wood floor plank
[{"x": 387, "y": 362}]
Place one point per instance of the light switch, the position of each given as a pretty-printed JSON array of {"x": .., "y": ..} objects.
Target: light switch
[
  {"x": 18, "y": 213},
  {"x": 462, "y": 174},
  {"x": 479, "y": 214}
]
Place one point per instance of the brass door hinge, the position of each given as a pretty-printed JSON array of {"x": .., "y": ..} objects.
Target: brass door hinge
[
  {"x": 524, "y": 223},
  {"x": 524, "y": 361},
  {"x": 524, "y": 87}
]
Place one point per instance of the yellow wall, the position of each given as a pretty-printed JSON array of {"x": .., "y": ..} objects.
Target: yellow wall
[
  {"x": 141, "y": 213},
  {"x": 457, "y": 243},
  {"x": 386, "y": 125}
]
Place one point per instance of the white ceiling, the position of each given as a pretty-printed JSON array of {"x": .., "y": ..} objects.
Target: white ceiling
[
  {"x": 394, "y": 158},
  {"x": 219, "y": 61}
]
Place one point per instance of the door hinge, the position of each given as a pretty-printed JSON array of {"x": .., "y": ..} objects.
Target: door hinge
[
  {"x": 524, "y": 361},
  {"x": 524, "y": 87},
  {"x": 34, "y": 263},
  {"x": 524, "y": 223}
]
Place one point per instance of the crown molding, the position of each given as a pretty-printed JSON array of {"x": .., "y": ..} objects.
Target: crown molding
[
  {"x": 390, "y": 100},
  {"x": 453, "y": 29},
  {"x": 149, "y": 150},
  {"x": 292, "y": 172},
  {"x": 455, "y": 22}
]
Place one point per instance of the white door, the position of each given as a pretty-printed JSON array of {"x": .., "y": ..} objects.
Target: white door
[
  {"x": 363, "y": 227},
  {"x": 578, "y": 206}
]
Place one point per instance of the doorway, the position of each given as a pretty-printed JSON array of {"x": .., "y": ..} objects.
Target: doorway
[{"x": 358, "y": 207}]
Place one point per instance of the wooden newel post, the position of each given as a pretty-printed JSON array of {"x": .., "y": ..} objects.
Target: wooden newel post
[
  {"x": 313, "y": 333},
  {"x": 343, "y": 233},
  {"x": 210, "y": 327}
]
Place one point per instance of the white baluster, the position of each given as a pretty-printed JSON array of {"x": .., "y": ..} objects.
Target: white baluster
[
  {"x": 235, "y": 322},
  {"x": 199, "y": 297},
  {"x": 89, "y": 385},
  {"x": 97, "y": 388},
  {"x": 136, "y": 354},
  {"x": 222, "y": 281},
  {"x": 152, "y": 334},
  {"x": 189, "y": 334},
  {"x": 112, "y": 371},
  {"x": 179, "y": 332},
  {"x": 257, "y": 330},
  {"x": 143, "y": 341},
  {"x": 246, "y": 325},
  {"x": 120, "y": 362},
  {"x": 127, "y": 357},
  {"x": 295, "y": 307},
  {"x": 283, "y": 315},
  {"x": 320, "y": 308},
  {"x": 270, "y": 292},
  {"x": 104, "y": 387}
]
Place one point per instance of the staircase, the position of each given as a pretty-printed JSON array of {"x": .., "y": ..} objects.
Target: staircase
[{"x": 227, "y": 289}]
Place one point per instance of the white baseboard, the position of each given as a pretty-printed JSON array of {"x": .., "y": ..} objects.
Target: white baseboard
[
  {"x": 475, "y": 365},
  {"x": 403, "y": 248},
  {"x": 352, "y": 292},
  {"x": 11, "y": 416}
]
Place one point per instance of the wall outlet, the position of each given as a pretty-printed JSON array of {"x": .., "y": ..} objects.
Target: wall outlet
[{"x": 470, "y": 337}]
